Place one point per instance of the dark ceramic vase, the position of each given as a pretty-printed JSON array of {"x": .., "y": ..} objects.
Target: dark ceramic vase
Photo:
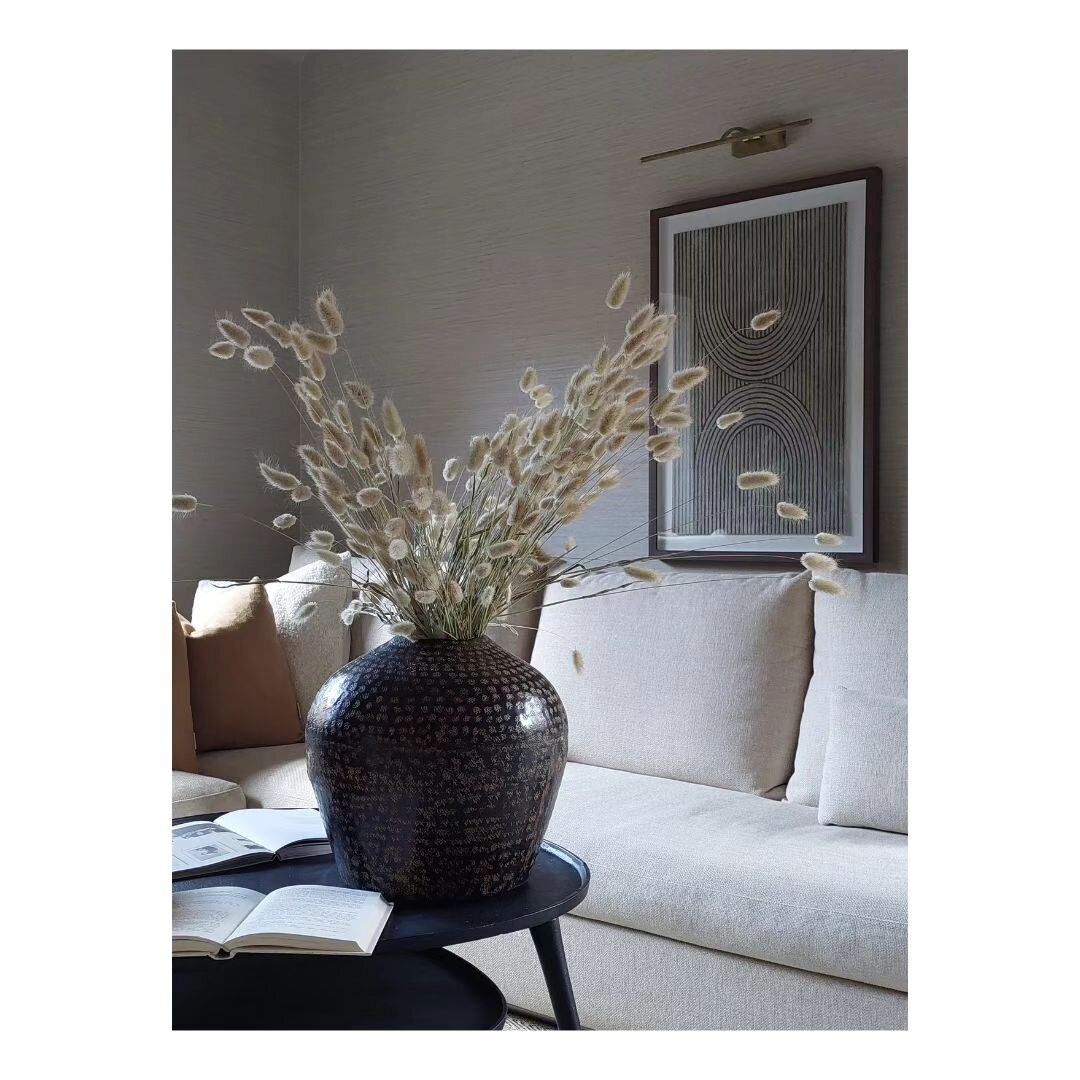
[{"x": 436, "y": 765}]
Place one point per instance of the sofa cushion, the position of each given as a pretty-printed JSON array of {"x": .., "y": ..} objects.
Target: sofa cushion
[
  {"x": 702, "y": 680},
  {"x": 860, "y": 641},
  {"x": 737, "y": 873},
  {"x": 864, "y": 779},
  {"x": 270, "y": 775},
  {"x": 195, "y": 794}
]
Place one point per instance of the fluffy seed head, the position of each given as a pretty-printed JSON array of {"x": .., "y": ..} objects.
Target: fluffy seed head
[
  {"x": 257, "y": 316},
  {"x": 284, "y": 521},
  {"x": 315, "y": 365},
  {"x": 308, "y": 388},
  {"x": 278, "y": 478},
  {"x": 765, "y": 320},
  {"x": 752, "y": 481},
  {"x": 403, "y": 629},
  {"x": 729, "y": 419},
  {"x": 481, "y": 570},
  {"x": 223, "y": 350},
  {"x": 618, "y": 292},
  {"x": 569, "y": 544},
  {"x": 392, "y": 419},
  {"x": 397, "y": 549},
  {"x": 827, "y": 586},
  {"x": 305, "y": 611},
  {"x": 259, "y": 357},
  {"x": 234, "y": 332},
  {"x": 324, "y": 343},
  {"x": 457, "y": 593},
  {"x": 640, "y": 319},
  {"x": 184, "y": 504},
  {"x": 369, "y": 497},
  {"x": 579, "y": 662},
  {"x": 478, "y": 452},
  {"x": 682, "y": 381},
  {"x": 827, "y": 539},
  {"x": 791, "y": 512},
  {"x": 328, "y": 557},
  {"x": 329, "y": 313},
  {"x": 425, "y": 597},
  {"x": 487, "y": 595},
  {"x": 320, "y": 538},
  {"x": 451, "y": 470},
  {"x": 643, "y": 573},
  {"x": 528, "y": 379},
  {"x": 298, "y": 340},
  {"x": 818, "y": 563},
  {"x": 300, "y": 493},
  {"x": 502, "y": 549},
  {"x": 401, "y": 459},
  {"x": 359, "y": 394},
  {"x": 281, "y": 334},
  {"x": 569, "y": 582}
]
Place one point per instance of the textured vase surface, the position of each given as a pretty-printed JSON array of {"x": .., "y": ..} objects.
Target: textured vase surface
[{"x": 436, "y": 765}]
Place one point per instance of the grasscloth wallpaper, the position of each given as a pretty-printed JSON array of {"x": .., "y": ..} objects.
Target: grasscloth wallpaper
[
  {"x": 471, "y": 209},
  {"x": 235, "y": 159}
]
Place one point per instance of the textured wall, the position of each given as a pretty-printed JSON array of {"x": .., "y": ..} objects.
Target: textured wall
[
  {"x": 471, "y": 209},
  {"x": 235, "y": 231}
]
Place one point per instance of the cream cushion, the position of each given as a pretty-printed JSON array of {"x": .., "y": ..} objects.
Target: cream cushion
[
  {"x": 864, "y": 779},
  {"x": 318, "y": 646},
  {"x": 195, "y": 794},
  {"x": 271, "y": 776},
  {"x": 737, "y": 873},
  {"x": 701, "y": 681},
  {"x": 860, "y": 641}
]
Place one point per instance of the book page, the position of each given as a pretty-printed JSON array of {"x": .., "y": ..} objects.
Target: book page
[
  {"x": 322, "y": 914},
  {"x": 275, "y": 829},
  {"x": 211, "y": 914},
  {"x": 205, "y": 843}
]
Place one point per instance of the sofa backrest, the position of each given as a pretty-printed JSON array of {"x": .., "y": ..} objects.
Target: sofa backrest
[
  {"x": 702, "y": 679},
  {"x": 860, "y": 642}
]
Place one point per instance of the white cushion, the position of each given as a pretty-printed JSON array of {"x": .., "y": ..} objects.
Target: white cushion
[
  {"x": 864, "y": 779},
  {"x": 702, "y": 680},
  {"x": 196, "y": 794},
  {"x": 860, "y": 641},
  {"x": 273, "y": 776},
  {"x": 737, "y": 873}
]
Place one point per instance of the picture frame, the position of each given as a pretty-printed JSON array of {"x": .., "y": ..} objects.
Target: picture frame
[{"x": 808, "y": 387}]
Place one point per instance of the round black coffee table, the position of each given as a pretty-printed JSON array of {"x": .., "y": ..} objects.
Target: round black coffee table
[{"x": 409, "y": 982}]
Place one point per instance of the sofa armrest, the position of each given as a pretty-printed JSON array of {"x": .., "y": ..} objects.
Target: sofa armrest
[{"x": 193, "y": 793}]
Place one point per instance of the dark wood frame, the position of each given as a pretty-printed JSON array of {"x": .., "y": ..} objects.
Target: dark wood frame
[{"x": 871, "y": 322}]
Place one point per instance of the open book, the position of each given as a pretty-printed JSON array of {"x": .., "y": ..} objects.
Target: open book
[
  {"x": 246, "y": 837},
  {"x": 221, "y": 921}
]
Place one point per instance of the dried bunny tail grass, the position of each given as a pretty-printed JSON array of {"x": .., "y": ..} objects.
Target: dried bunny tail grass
[
  {"x": 257, "y": 317},
  {"x": 281, "y": 334},
  {"x": 403, "y": 629},
  {"x": 315, "y": 365},
  {"x": 578, "y": 661},
  {"x": 324, "y": 343},
  {"x": 569, "y": 544},
  {"x": 329, "y": 557},
  {"x": 425, "y": 597},
  {"x": 397, "y": 549},
  {"x": 359, "y": 394},
  {"x": 308, "y": 388},
  {"x": 643, "y": 573},
  {"x": 603, "y": 359},
  {"x": 752, "y": 481},
  {"x": 451, "y": 470},
  {"x": 620, "y": 289},
  {"x": 818, "y": 563},
  {"x": 529, "y": 379},
  {"x": 729, "y": 419},
  {"x": 481, "y": 571},
  {"x": 827, "y": 586},
  {"x": 391, "y": 419},
  {"x": 828, "y": 539},
  {"x": 259, "y": 357},
  {"x": 184, "y": 504},
  {"x": 320, "y": 538},
  {"x": 300, "y": 345},
  {"x": 791, "y": 512},
  {"x": 342, "y": 416},
  {"x": 278, "y": 478},
  {"x": 305, "y": 611},
  {"x": 638, "y": 396},
  {"x": 765, "y": 320},
  {"x": 569, "y": 582},
  {"x": 672, "y": 453},
  {"x": 369, "y": 497},
  {"x": 487, "y": 595},
  {"x": 329, "y": 313},
  {"x": 503, "y": 548},
  {"x": 223, "y": 350},
  {"x": 542, "y": 401},
  {"x": 457, "y": 593},
  {"x": 675, "y": 419},
  {"x": 234, "y": 332},
  {"x": 682, "y": 381},
  {"x": 311, "y": 457},
  {"x": 640, "y": 319},
  {"x": 284, "y": 521},
  {"x": 479, "y": 448},
  {"x": 300, "y": 494},
  {"x": 663, "y": 403},
  {"x": 422, "y": 456},
  {"x": 401, "y": 459},
  {"x": 396, "y": 528}
]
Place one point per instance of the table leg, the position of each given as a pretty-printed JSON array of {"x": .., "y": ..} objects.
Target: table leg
[{"x": 547, "y": 939}]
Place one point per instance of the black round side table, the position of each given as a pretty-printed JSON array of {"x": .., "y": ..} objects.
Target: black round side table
[{"x": 409, "y": 982}]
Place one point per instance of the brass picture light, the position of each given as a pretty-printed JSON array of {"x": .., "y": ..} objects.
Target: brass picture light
[{"x": 744, "y": 142}]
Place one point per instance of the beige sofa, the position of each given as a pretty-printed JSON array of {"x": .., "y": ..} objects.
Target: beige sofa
[{"x": 697, "y": 739}]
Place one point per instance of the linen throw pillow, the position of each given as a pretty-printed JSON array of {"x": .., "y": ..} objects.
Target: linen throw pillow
[
  {"x": 183, "y": 727},
  {"x": 864, "y": 778},
  {"x": 317, "y": 646},
  {"x": 241, "y": 693},
  {"x": 700, "y": 681}
]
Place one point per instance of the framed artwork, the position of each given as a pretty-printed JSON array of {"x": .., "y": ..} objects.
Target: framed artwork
[{"x": 807, "y": 253}]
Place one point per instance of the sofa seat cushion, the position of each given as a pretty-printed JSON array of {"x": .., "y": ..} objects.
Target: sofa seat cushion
[
  {"x": 270, "y": 775},
  {"x": 193, "y": 793},
  {"x": 737, "y": 873}
]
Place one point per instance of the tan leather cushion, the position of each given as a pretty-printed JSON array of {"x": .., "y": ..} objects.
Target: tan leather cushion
[
  {"x": 241, "y": 694},
  {"x": 183, "y": 727}
]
